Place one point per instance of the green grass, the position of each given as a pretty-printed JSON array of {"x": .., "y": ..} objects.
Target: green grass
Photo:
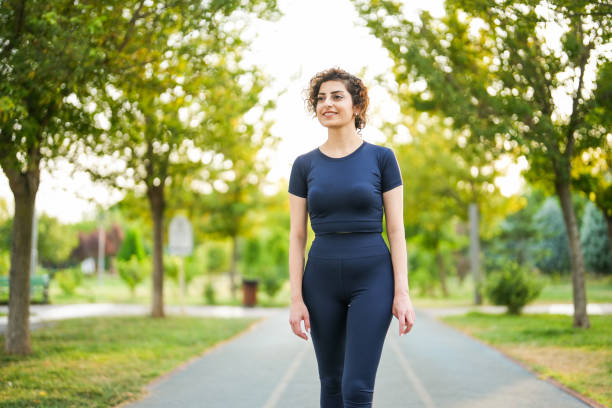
[
  {"x": 113, "y": 290},
  {"x": 556, "y": 290},
  {"x": 103, "y": 361},
  {"x": 578, "y": 358},
  {"x": 598, "y": 289}
]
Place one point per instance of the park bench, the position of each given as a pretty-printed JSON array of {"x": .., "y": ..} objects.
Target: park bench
[{"x": 38, "y": 284}]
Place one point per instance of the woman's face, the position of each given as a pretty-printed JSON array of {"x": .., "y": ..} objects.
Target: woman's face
[{"x": 335, "y": 105}]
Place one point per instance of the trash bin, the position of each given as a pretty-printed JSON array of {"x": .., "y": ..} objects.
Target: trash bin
[{"x": 249, "y": 291}]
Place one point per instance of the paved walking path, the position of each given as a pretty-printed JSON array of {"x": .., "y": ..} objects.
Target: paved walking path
[
  {"x": 553, "y": 308},
  {"x": 433, "y": 366},
  {"x": 43, "y": 313},
  {"x": 269, "y": 367}
]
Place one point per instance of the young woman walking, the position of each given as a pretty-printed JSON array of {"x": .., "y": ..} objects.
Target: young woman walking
[{"x": 352, "y": 284}]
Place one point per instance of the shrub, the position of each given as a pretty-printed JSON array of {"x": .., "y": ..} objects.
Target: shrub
[
  {"x": 5, "y": 263},
  {"x": 272, "y": 279},
  {"x": 69, "y": 279},
  {"x": 171, "y": 267},
  {"x": 513, "y": 287},
  {"x": 133, "y": 272},
  {"x": 131, "y": 246},
  {"x": 209, "y": 293}
]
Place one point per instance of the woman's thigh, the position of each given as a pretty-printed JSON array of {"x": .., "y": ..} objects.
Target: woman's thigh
[
  {"x": 370, "y": 286},
  {"x": 327, "y": 308}
]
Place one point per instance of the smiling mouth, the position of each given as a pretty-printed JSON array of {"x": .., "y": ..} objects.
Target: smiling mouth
[{"x": 328, "y": 114}]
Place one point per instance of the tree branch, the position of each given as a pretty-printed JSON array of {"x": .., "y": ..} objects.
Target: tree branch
[
  {"x": 575, "y": 117},
  {"x": 19, "y": 23}
]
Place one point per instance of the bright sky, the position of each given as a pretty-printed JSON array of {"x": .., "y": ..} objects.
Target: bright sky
[{"x": 311, "y": 36}]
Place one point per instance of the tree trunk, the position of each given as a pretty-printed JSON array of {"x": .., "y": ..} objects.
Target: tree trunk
[
  {"x": 475, "y": 252},
  {"x": 232, "y": 271},
  {"x": 609, "y": 222},
  {"x": 24, "y": 187},
  {"x": 441, "y": 272},
  {"x": 581, "y": 319},
  {"x": 462, "y": 262},
  {"x": 158, "y": 205}
]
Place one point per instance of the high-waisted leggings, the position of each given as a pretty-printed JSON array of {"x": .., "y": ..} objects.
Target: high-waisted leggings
[{"x": 348, "y": 289}]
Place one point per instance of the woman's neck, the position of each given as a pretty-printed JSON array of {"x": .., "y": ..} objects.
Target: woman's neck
[{"x": 342, "y": 140}]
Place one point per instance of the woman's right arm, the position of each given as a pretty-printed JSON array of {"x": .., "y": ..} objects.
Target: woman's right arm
[{"x": 297, "y": 246}]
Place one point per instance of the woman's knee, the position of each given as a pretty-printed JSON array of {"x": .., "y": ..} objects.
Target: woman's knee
[
  {"x": 357, "y": 393},
  {"x": 331, "y": 385}
]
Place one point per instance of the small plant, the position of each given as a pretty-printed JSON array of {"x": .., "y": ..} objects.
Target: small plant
[
  {"x": 272, "y": 279},
  {"x": 133, "y": 272},
  {"x": 69, "y": 279},
  {"x": 209, "y": 293},
  {"x": 513, "y": 287}
]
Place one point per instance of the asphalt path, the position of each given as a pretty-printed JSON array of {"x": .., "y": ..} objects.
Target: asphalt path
[{"x": 433, "y": 366}]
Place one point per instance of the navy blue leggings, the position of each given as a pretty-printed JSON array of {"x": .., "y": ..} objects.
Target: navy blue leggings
[{"x": 348, "y": 288}]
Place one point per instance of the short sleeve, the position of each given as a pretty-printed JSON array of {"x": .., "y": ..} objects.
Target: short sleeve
[
  {"x": 390, "y": 171},
  {"x": 297, "y": 179}
]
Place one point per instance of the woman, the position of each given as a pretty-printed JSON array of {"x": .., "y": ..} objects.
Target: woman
[{"x": 352, "y": 284}]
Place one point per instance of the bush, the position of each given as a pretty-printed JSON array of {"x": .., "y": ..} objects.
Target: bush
[
  {"x": 171, "y": 267},
  {"x": 133, "y": 272},
  {"x": 209, "y": 293},
  {"x": 131, "y": 246},
  {"x": 513, "y": 287},
  {"x": 69, "y": 279},
  {"x": 5, "y": 263}
]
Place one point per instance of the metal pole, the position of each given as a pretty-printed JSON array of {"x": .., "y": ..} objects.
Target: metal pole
[
  {"x": 182, "y": 283},
  {"x": 101, "y": 242},
  {"x": 475, "y": 251},
  {"x": 34, "y": 251}
]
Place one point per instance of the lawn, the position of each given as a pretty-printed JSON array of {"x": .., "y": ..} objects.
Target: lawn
[
  {"x": 581, "y": 359},
  {"x": 103, "y": 361},
  {"x": 113, "y": 290},
  {"x": 556, "y": 290}
]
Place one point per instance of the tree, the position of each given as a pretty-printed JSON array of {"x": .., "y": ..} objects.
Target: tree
[
  {"x": 551, "y": 247},
  {"x": 443, "y": 177},
  {"x": 131, "y": 246},
  {"x": 49, "y": 50},
  {"x": 54, "y": 55},
  {"x": 592, "y": 170},
  {"x": 516, "y": 236},
  {"x": 485, "y": 66},
  {"x": 227, "y": 211},
  {"x": 594, "y": 240},
  {"x": 55, "y": 241},
  {"x": 183, "y": 96}
]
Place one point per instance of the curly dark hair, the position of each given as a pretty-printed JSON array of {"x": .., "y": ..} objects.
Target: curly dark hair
[{"x": 354, "y": 85}]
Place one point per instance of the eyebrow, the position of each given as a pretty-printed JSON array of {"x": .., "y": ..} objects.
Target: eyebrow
[{"x": 333, "y": 92}]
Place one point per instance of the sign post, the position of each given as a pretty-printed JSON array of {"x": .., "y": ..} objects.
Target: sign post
[{"x": 180, "y": 237}]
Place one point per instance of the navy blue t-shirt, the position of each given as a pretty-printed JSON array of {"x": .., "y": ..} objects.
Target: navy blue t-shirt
[{"x": 344, "y": 194}]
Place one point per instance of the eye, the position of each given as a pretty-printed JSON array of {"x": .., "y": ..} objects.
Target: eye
[{"x": 338, "y": 96}]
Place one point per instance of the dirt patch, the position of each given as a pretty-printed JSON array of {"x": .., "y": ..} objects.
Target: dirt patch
[{"x": 586, "y": 371}]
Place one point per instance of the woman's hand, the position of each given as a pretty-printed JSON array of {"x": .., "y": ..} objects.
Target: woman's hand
[
  {"x": 297, "y": 313},
  {"x": 403, "y": 310}
]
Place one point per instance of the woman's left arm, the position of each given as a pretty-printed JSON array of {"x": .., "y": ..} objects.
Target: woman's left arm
[{"x": 393, "y": 201}]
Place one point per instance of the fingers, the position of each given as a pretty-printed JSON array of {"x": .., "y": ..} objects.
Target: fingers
[
  {"x": 296, "y": 327},
  {"x": 406, "y": 322},
  {"x": 409, "y": 320}
]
